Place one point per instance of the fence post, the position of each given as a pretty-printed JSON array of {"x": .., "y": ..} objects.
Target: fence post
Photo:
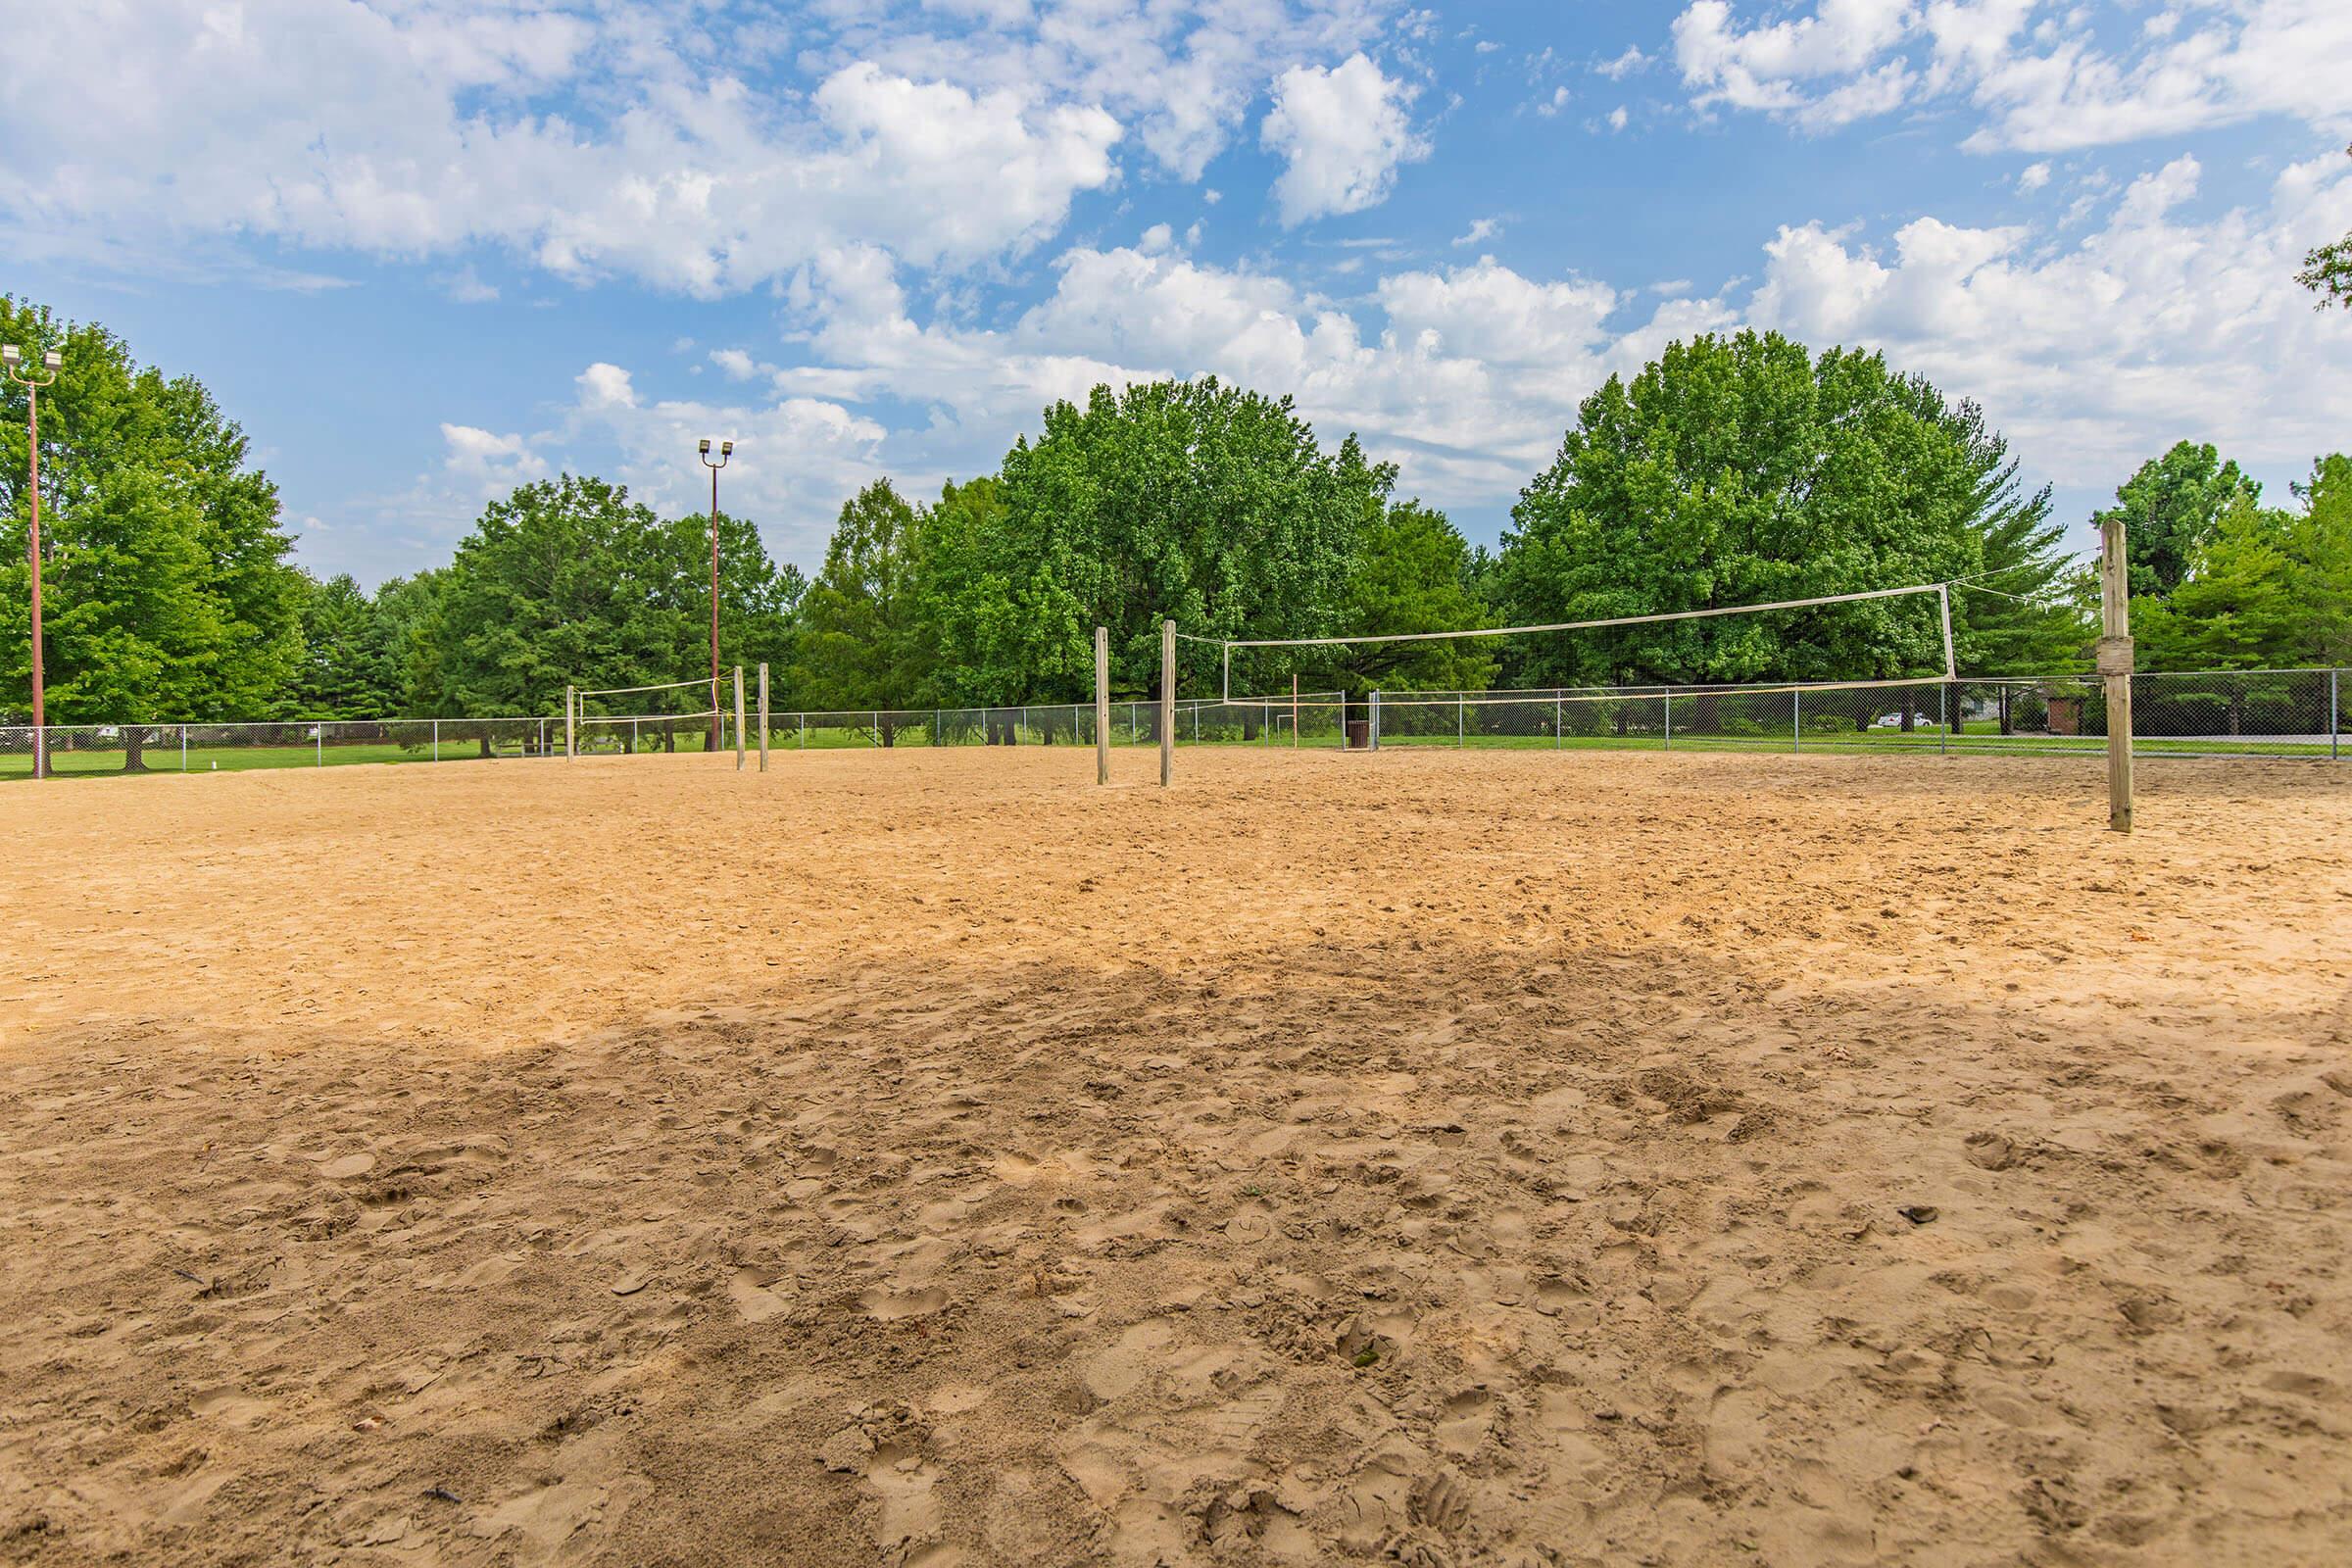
[
  {"x": 1797, "y": 720},
  {"x": 2333, "y": 724},
  {"x": 1670, "y": 721},
  {"x": 569, "y": 751},
  {"x": 318, "y": 741},
  {"x": 877, "y": 726},
  {"x": 1375, "y": 746},
  {"x": 1944, "y": 721},
  {"x": 1101, "y": 705},
  {"x": 1462, "y": 719},
  {"x": 1558, "y": 712},
  {"x": 436, "y": 740},
  {"x": 738, "y": 718},
  {"x": 763, "y": 717},
  {"x": 184, "y": 746}
]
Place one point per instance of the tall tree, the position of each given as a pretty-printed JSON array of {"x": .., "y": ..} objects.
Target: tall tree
[
  {"x": 353, "y": 663},
  {"x": 2320, "y": 542},
  {"x": 166, "y": 589},
  {"x": 858, "y": 641},
  {"x": 1412, "y": 572},
  {"x": 1740, "y": 470},
  {"x": 569, "y": 582},
  {"x": 2237, "y": 606},
  {"x": 2170, "y": 509},
  {"x": 1188, "y": 500}
]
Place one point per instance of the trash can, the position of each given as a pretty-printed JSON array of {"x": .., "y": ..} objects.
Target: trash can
[{"x": 1359, "y": 734}]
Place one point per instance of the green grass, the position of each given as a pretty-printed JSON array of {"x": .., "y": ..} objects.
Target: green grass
[{"x": 95, "y": 762}]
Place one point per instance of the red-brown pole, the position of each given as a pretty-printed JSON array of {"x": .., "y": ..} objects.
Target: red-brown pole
[{"x": 713, "y": 745}]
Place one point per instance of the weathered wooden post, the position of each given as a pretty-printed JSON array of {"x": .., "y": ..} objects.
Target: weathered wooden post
[
  {"x": 2115, "y": 667},
  {"x": 1167, "y": 701},
  {"x": 1101, "y": 705}
]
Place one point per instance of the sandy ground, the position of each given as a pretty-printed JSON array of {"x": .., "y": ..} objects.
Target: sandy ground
[{"x": 927, "y": 1157}]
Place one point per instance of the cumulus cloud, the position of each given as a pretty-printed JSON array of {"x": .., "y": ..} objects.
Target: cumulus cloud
[
  {"x": 489, "y": 462},
  {"x": 2151, "y": 327},
  {"x": 2044, "y": 76},
  {"x": 2090, "y": 354},
  {"x": 689, "y": 150},
  {"x": 1342, "y": 133}
]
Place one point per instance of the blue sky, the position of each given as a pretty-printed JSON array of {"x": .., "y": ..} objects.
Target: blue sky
[{"x": 424, "y": 251}]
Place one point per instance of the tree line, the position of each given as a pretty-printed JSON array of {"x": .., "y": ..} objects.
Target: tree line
[{"x": 1733, "y": 470}]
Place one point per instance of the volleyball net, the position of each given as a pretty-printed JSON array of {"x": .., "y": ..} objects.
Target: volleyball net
[
  {"x": 1870, "y": 639},
  {"x": 678, "y": 716}
]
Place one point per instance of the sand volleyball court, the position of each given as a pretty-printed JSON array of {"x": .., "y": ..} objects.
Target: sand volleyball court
[{"x": 927, "y": 1157}]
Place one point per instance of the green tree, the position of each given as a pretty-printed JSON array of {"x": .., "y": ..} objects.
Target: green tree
[
  {"x": 569, "y": 582},
  {"x": 1740, "y": 470},
  {"x": 2320, "y": 542},
  {"x": 167, "y": 594},
  {"x": 1412, "y": 572},
  {"x": 859, "y": 641},
  {"x": 2236, "y": 607},
  {"x": 962, "y": 575},
  {"x": 355, "y": 662},
  {"x": 2170, "y": 509},
  {"x": 1188, "y": 500}
]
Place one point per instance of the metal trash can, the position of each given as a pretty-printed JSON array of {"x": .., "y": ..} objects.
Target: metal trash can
[{"x": 1359, "y": 734}]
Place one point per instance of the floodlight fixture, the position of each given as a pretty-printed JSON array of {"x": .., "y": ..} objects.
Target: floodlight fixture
[
  {"x": 725, "y": 448},
  {"x": 704, "y": 446},
  {"x": 10, "y": 353},
  {"x": 52, "y": 360}
]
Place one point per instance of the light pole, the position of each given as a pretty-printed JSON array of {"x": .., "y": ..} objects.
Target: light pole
[
  {"x": 727, "y": 450},
  {"x": 31, "y": 380}
]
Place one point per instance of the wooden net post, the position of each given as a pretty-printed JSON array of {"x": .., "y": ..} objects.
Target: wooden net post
[
  {"x": 1167, "y": 701},
  {"x": 2115, "y": 668},
  {"x": 738, "y": 718},
  {"x": 1101, "y": 705}
]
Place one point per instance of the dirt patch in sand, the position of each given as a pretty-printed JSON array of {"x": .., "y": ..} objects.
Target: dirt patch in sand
[{"x": 926, "y": 1157}]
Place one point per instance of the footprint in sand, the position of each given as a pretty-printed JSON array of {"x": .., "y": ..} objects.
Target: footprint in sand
[{"x": 890, "y": 1306}]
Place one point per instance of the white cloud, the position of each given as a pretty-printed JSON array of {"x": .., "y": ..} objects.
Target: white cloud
[
  {"x": 1625, "y": 65},
  {"x": 491, "y": 463},
  {"x": 1617, "y": 117},
  {"x": 465, "y": 286},
  {"x": 2150, "y": 329},
  {"x": 1552, "y": 105},
  {"x": 2044, "y": 76},
  {"x": 1480, "y": 231},
  {"x": 2032, "y": 177},
  {"x": 1342, "y": 133},
  {"x": 694, "y": 150},
  {"x": 738, "y": 366}
]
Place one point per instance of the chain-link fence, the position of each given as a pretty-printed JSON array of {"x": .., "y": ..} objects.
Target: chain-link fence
[
  {"x": 2265, "y": 713},
  {"x": 1314, "y": 720},
  {"x": 85, "y": 749}
]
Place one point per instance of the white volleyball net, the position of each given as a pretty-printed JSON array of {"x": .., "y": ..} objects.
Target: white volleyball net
[{"x": 679, "y": 716}]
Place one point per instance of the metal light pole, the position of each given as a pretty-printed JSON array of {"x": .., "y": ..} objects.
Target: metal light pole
[
  {"x": 31, "y": 380},
  {"x": 726, "y": 449}
]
